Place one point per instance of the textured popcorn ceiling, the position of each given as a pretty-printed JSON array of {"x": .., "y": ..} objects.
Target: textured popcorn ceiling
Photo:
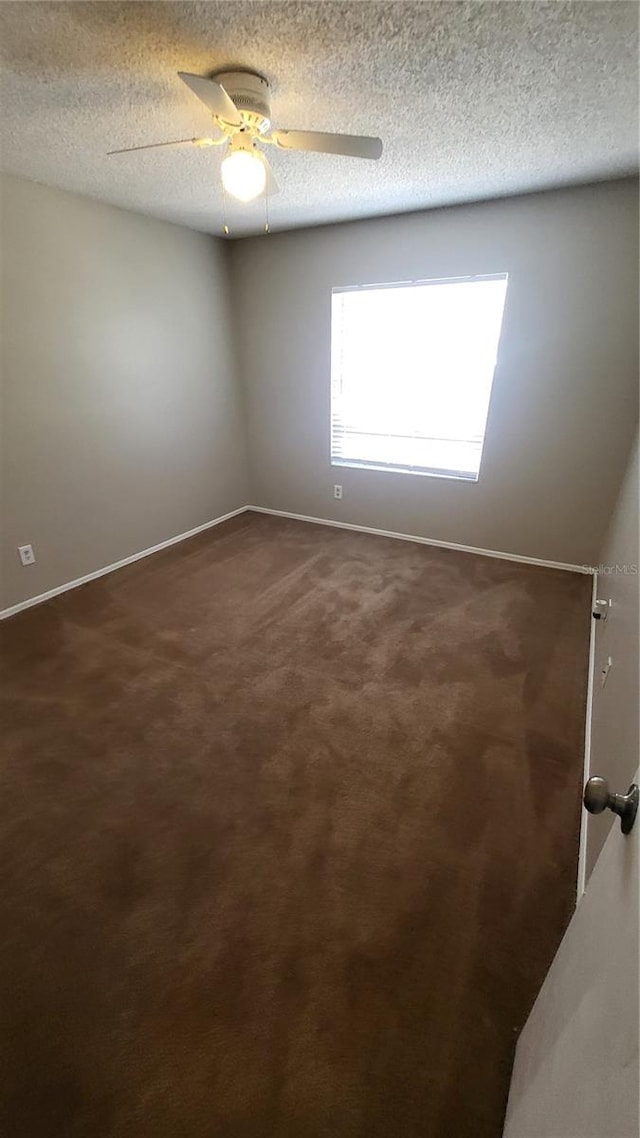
[{"x": 471, "y": 100}]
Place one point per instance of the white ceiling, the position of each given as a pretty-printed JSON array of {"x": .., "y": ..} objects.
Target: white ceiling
[{"x": 472, "y": 100}]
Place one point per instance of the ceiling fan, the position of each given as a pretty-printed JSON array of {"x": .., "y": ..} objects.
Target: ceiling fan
[{"x": 240, "y": 104}]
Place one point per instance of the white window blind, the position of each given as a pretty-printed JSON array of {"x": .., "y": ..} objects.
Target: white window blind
[{"x": 411, "y": 373}]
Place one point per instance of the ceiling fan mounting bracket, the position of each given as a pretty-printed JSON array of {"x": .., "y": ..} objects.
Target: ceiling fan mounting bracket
[{"x": 251, "y": 95}]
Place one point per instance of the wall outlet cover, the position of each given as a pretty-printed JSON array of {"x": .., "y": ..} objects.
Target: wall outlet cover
[
  {"x": 337, "y": 491},
  {"x": 27, "y": 556}
]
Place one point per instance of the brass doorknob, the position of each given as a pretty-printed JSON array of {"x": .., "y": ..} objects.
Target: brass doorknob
[{"x": 597, "y": 797}]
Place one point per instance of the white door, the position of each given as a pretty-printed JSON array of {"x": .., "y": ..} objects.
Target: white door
[
  {"x": 577, "y": 1067},
  {"x": 577, "y": 1063}
]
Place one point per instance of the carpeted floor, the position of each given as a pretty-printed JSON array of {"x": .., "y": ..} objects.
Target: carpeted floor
[{"x": 289, "y": 837}]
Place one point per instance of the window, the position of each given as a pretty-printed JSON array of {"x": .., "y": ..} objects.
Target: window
[{"x": 411, "y": 373}]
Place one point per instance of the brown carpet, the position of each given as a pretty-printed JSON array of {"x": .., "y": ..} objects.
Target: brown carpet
[{"x": 289, "y": 837}]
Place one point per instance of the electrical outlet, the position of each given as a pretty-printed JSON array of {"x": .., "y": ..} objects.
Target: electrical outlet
[
  {"x": 27, "y": 556},
  {"x": 337, "y": 491}
]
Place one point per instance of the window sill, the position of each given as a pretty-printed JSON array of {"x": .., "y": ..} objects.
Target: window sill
[{"x": 447, "y": 475}]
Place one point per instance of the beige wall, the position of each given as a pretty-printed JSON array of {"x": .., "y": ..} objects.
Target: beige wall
[
  {"x": 122, "y": 425},
  {"x": 615, "y": 734},
  {"x": 576, "y": 1068},
  {"x": 565, "y": 394}
]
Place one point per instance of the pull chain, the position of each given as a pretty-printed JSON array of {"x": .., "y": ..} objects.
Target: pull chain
[{"x": 225, "y": 227}]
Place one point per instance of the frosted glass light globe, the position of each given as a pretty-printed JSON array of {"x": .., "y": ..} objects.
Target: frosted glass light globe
[{"x": 243, "y": 175}]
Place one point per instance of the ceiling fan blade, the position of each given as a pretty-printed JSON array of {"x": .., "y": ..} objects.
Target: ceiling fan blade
[
  {"x": 351, "y": 145},
  {"x": 214, "y": 96},
  {"x": 176, "y": 142},
  {"x": 271, "y": 186}
]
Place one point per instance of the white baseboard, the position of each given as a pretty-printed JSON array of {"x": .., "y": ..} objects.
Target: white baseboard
[
  {"x": 425, "y": 540},
  {"x": 586, "y": 773},
  {"x": 38, "y": 600}
]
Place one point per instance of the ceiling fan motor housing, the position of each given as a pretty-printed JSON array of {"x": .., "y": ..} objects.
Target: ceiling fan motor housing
[{"x": 250, "y": 94}]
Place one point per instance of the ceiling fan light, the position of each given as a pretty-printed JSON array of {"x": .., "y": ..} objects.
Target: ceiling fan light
[{"x": 244, "y": 175}]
